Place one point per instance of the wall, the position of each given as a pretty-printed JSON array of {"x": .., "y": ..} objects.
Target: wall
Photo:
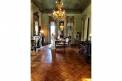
[
  {"x": 43, "y": 21},
  {"x": 80, "y": 22},
  {"x": 84, "y": 17},
  {"x": 77, "y": 22},
  {"x": 45, "y": 26},
  {"x": 34, "y": 9}
]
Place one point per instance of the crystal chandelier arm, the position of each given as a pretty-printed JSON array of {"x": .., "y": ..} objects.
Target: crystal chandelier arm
[{"x": 59, "y": 12}]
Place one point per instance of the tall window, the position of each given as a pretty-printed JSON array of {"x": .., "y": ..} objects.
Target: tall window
[
  {"x": 36, "y": 27},
  {"x": 52, "y": 26}
]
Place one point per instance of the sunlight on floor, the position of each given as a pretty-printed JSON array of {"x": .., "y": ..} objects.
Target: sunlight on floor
[
  {"x": 49, "y": 56},
  {"x": 86, "y": 79}
]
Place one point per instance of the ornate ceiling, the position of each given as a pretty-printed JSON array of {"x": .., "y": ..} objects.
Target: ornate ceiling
[{"x": 69, "y": 5}]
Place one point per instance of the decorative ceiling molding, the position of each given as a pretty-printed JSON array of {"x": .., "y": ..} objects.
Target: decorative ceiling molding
[
  {"x": 67, "y": 10},
  {"x": 74, "y": 6}
]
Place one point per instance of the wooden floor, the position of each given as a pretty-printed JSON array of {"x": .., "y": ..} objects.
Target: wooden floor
[{"x": 59, "y": 66}]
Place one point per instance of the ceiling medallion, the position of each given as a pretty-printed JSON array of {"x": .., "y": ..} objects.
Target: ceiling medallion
[{"x": 59, "y": 12}]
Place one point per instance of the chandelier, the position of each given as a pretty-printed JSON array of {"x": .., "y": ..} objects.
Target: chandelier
[{"x": 59, "y": 12}]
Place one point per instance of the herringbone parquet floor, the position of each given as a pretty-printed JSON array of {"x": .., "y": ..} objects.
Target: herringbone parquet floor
[{"x": 59, "y": 66}]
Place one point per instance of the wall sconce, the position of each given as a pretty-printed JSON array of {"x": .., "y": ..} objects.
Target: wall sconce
[
  {"x": 62, "y": 28},
  {"x": 41, "y": 31}
]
